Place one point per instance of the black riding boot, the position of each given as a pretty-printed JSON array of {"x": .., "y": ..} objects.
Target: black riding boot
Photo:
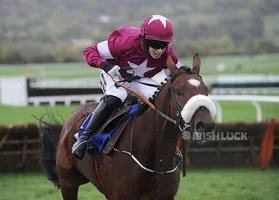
[{"x": 101, "y": 114}]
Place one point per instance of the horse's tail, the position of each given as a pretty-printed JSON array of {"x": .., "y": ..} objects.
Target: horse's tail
[{"x": 49, "y": 136}]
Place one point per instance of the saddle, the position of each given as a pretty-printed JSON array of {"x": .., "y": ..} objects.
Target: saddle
[{"x": 107, "y": 136}]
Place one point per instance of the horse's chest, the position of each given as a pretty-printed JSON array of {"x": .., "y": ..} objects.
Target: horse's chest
[{"x": 161, "y": 186}]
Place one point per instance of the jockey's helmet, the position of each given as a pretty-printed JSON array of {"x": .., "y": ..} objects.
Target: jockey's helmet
[{"x": 157, "y": 27}]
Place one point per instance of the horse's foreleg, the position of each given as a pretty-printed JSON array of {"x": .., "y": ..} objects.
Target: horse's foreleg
[
  {"x": 69, "y": 181},
  {"x": 69, "y": 192}
]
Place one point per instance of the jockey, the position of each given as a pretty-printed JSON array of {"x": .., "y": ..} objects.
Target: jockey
[{"x": 128, "y": 52}]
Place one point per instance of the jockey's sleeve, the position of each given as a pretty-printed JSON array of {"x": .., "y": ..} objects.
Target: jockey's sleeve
[
  {"x": 175, "y": 60},
  {"x": 97, "y": 54}
]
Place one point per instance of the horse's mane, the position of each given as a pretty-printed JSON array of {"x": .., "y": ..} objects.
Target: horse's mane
[{"x": 173, "y": 76}]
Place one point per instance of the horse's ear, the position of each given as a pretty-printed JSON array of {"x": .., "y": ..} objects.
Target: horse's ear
[
  {"x": 196, "y": 63},
  {"x": 171, "y": 65}
]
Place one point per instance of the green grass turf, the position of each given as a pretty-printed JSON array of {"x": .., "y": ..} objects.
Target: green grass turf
[
  {"x": 232, "y": 112},
  {"x": 29, "y": 114},
  {"x": 242, "y": 64},
  {"x": 210, "y": 184},
  {"x": 262, "y": 64}
]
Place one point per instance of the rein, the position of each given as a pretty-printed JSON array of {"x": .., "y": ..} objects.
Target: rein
[
  {"x": 179, "y": 122},
  {"x": 152, "y": 106}
]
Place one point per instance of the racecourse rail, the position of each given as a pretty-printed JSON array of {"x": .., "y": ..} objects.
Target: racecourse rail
[
  {"x": 254, "y": 99},
  {"x": 20, "y": 91}
]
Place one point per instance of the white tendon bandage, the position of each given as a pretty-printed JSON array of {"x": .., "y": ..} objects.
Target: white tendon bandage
[{"x": 194, "y": 103}]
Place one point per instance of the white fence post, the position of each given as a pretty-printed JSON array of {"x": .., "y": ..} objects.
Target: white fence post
[
  {"x": 219, "y": 117},
  {"x": 13, "y": 91},
  {"x": 254, "y": 99},
  {"x": 259, "y": 110}
]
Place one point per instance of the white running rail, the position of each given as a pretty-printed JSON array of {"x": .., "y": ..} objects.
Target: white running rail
[{"x": 254, "y": 99}]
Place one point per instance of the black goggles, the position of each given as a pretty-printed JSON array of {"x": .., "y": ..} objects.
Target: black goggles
[{"x": 155, "y": 44}]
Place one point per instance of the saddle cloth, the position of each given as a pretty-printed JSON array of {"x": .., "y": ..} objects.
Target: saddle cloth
[{"x": 107, "y": 136}]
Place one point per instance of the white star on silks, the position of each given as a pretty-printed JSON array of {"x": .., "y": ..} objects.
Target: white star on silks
[
  {"x": 139, "y": 70},
  {"x": 162, "y": 19}
]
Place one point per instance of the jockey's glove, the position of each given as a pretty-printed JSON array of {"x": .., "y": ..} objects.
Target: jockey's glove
[{"x": 110, "y": 69}]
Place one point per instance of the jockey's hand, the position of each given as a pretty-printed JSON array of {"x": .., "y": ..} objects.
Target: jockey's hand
[
  {"x": 114, "y": 72},
  {"x": 110, "y": 69}
]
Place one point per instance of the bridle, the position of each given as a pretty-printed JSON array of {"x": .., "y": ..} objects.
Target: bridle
[{"x": 179, "y": 122}]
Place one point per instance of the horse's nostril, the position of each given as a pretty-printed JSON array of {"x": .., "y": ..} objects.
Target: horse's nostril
[
  {"x": 205, "y": 126},
  {"x": 200, "y": 126}
]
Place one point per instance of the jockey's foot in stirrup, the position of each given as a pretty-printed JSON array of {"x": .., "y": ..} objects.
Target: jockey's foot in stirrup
[{"x": 99, "y": 117}]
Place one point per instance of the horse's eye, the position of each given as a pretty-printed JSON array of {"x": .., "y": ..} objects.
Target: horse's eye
[{"x": 178, "y": 92}]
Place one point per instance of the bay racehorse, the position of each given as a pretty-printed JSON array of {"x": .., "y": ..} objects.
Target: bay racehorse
[{"x": 143, "y": 164}]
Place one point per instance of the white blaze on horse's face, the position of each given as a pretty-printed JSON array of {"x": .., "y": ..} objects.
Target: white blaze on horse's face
[{"x": 194, "y": 82}]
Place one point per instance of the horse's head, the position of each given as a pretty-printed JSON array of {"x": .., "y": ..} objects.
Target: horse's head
[{"x": 194, "y": 110}]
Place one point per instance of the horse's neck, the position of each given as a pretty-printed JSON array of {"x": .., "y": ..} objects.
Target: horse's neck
[
  {"x": 159, "y": 137},
  {"x": 167, "y": 133}
]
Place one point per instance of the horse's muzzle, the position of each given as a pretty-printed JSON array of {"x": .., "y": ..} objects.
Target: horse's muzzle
[{"x": 204, "y": 126}]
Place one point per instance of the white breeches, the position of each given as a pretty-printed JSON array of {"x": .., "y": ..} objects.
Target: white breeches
[{"x": 108, "y": 87}]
